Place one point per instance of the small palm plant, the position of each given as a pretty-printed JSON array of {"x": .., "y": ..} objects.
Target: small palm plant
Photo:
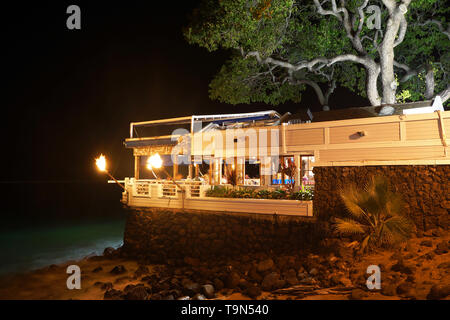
[
  {"x": 231, "y": 176},
  {"x": 376, "y": 215}
]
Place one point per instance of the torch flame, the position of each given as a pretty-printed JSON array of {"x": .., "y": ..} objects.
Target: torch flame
[
  {"x": 101, "y": 163},
  {"x": 154, "y": 161}
]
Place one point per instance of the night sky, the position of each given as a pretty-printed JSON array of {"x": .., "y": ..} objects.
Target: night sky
[{"x": 70, "y": 94}]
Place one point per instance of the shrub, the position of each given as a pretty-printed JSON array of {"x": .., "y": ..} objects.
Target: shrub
[
  {"x": 223, "y": 192},
  {"x": 375, "y": 215}
]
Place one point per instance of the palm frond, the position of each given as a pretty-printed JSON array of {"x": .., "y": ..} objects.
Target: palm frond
[
  {"x": 376, "y": 212},
  {"x": 351, "y": 201},
  {"x": 349, "y": 226}
]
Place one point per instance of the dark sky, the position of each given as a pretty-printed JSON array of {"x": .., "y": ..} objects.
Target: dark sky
[{"x": 69, "y": 95}]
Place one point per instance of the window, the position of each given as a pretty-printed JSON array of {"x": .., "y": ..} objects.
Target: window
[
  {"x": 252, "y": 172},
  {"x": 278, "y": 177},
  {"x": 307, "y": 175}
]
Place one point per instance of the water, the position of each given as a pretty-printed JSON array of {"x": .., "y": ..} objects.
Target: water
[
  {"x": 31, "y": 248},
  {"x": 84, "y": 219}
]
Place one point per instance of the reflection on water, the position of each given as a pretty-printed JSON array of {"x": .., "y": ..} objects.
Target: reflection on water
[{"x": 30, "y": 248}]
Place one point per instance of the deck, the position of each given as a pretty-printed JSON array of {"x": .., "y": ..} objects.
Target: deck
[{"x": 164, "y": 194}]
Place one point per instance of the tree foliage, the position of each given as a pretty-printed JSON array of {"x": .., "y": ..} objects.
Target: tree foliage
[{"x": 281, "y": 46}]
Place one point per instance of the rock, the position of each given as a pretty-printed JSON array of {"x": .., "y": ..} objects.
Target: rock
[
  {"x": 118, "y": 269},
  {"x": 244, "y": 284},
  {"x": 358, "y": 294},
  {"x": 444, "y": 265},
  {"x": 270, "y": 281},
  {"x": 437, "y": 232},
  {"x": 307, "y": 280},
  {"x": 389, "y": 289},
  {"x": 314, "y": 272},
  {"x": 426, "y": 243},
  {"x": 438, "y": 292},
  {"x": 191, "y": 288},
  {"x": 265, "y": 265},
  {"x": 218, "y": 284},
  {"x": 404, "y": 288},
  {"x": 138, "y": 292},
  {"x": 253, "y": 292},
  {"x": 442, "y": 248},
  {"x": 156, "y": 296},
  {"x": 280, "y": 284},
  {"x": 401, "y": 267},
  {"x": 232, "y": 280},
  {"x": 192, "y": 261},
  {"x": 184, "y": 298},
  {"x": 169, "y": 297},
  {"x": 198, "y": 296},
  {"x": 123, "y": 279},
  {"x": 141, "y": 270},
  {"x": 335, "y": 280},
  {"x": 208, "y": 291},
  {"x": 109, "y": 252},
  {"x": 106, "y": 286},
  {"x": 113, "y": 294},
  {"x": 98, "y": 269},
  {"x": 410, "y": 255},
  {"x": 291, "y": 277},
  {"x": 254, "y": 275},
  {"x": 302, "y": 275}
]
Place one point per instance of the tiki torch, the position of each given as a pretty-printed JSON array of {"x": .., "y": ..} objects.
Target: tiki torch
[
  {"x": 101, "y": 165},
  {"x": 156, "y": 162}
]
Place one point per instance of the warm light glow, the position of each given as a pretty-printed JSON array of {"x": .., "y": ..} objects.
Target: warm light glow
[
  {"x": 154, "y": 161},
  {"x": 101, "y": 163}
]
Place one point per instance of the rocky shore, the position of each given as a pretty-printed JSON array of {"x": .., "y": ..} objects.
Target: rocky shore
[{"x": 420, "y": 269}]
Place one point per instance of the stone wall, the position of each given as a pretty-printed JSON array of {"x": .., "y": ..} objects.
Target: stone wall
[
  {"x": 161, "y": 235},
  {"x": 425, "y": 190}
]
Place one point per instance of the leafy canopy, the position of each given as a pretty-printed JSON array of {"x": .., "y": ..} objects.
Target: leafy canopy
[{"x": 293, "y": 31}]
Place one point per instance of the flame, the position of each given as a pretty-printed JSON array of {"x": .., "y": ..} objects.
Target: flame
[
  {"x": 154, "y": 161},
  {"x": 101, "y": 163}
]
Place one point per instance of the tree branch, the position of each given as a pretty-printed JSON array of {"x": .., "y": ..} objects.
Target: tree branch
[
  {"x": 438, "y": 24},
  {"x": 292, "y": 67},
  {"x": 445, "y": 94},
  {"x": 402, "y": 31}
]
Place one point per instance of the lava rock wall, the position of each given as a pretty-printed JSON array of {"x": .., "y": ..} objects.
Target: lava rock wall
[
  {"x": 161, "y": 235},
  {"x": 425, "y": 190}
]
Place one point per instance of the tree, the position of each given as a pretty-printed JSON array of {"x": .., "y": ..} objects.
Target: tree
[{"x": 398, "y": 51}]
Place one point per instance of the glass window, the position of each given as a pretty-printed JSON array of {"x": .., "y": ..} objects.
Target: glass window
[
  {"x": 307, "y": 175},
  {"x": 278, "y": 177},
  {"x": 252, "y": 172}
]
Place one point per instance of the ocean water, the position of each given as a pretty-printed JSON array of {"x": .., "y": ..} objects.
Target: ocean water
[
  {"x": 53, "y": 223},
  {"x": 31, "y": 248}
]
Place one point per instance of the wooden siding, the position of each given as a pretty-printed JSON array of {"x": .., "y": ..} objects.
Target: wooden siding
[
  {"x": 261, "y": 206},
  {"x": 304, "y": 136},
  {"x": 373, "y": 133},
  {"x": 396, "y": 153},
  {"x": 422, "y": 130},
  {"x": 398, "y": 139}
]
